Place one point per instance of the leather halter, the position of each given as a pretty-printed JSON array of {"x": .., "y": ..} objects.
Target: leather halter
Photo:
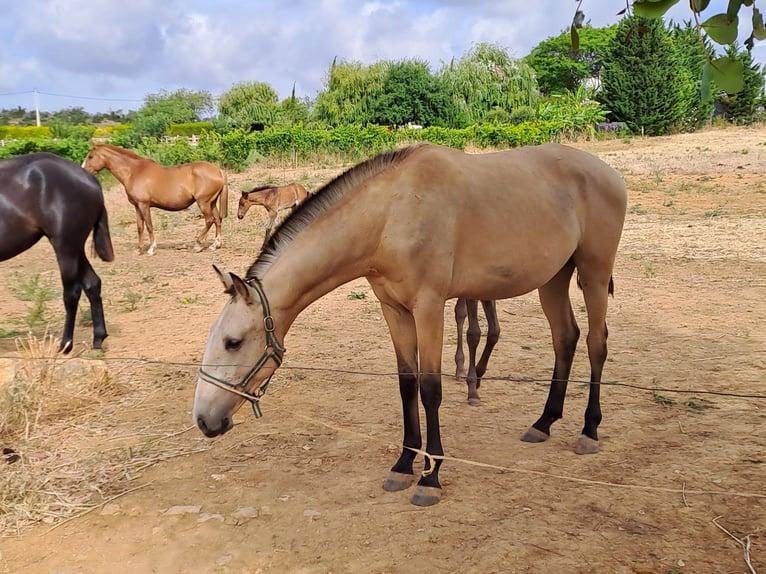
[{"x": 274, "y": 350}]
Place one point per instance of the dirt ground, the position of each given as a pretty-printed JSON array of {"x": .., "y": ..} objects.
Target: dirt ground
[{"x": 300, "y": 489}]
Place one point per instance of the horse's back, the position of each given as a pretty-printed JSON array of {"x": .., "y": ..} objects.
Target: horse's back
[
  {"x": 46, "y": 194},
  {"x": 500, "y": 224}
]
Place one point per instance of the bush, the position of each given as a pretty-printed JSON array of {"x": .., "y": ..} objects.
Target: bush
[
  {"x": 71, "y": 149},
  {"x": 24, "y": 132},
  {"x": 190, "y": 129}
]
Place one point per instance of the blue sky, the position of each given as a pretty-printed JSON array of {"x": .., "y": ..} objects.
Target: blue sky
[{"x": 112, "y": 53}]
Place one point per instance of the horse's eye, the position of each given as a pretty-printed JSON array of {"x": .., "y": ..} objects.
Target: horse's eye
[{"x": 233, "y": 344}]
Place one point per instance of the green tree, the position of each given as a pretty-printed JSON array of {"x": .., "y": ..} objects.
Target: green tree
[
  {"x": 692, "y": 52},
  {"x": 487, "y": 78},
  {"x": 643, "y": 84},
  {"x": 410, "y": 93},
  {"x": 350, "y": 88},
  {"x": 248, "y": 104},
  {"x": 741, "y": 107},
  {"x": 163, "y": 109},
  {"x": 293, "y": 111},
  {"x": 559, "y": 68}
]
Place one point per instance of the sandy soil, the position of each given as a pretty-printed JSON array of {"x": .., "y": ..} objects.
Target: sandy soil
[{"x": 300, "y": 490}]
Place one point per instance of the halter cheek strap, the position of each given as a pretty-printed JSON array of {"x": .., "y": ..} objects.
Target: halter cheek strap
[{"x": 274, "y": 350}]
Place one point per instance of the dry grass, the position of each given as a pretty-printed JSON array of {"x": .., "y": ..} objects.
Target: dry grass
[{"x": 66, "y": 453}]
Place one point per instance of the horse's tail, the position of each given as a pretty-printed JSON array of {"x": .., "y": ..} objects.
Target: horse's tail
[
  {"x": 223, "y": 199},
  {"x": 102, "y": 240}
]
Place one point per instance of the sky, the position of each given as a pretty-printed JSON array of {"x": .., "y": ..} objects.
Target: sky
[{"x": 104, "y": 55}]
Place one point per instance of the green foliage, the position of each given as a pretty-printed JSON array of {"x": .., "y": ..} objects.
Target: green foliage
[
  {"x": 643, "y": 83},
  {"x": 24, "y": 132},
  {"x": 78, "y": 132},
  {"x": 691, "y": 54},
  {"x": 410, "y": 94},
  {"x": 162, "y": 110},
  {"x": 560, "y": 68},
  {"x": 575, "y": 113},
  {"x": 189, "y": 129},
  {"x": 248, "y": 104},
  {"x": 350, "y": 89},
  {"x": 170, "y": 153},
  {"x": 72, "y": 149},
  {"x": 742, "y": 107},
  {"x": 487, "y": 78},
  {"x": 37, "y": 291}
]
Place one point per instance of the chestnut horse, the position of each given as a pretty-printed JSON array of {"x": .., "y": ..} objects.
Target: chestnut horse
[
  {"x": 273, "y": 198},
  {"x": 42, "y": 194},
  {"x": 407, "y": 221},
  {"x": 173, "y": 188},
  {"x": 469, "y": 308}
]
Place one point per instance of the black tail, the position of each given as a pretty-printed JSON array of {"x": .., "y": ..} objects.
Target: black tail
[{"x": 102, "y": 240}]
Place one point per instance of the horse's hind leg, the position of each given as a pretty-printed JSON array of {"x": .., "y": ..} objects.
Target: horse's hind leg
[
  {"x": 493, "y": 335},
  {"x": 595, "y": 288},
  {"x": 91, "y": 284},
  {"x": 139, "y": 229},
  {"x": 554, "y": 298},
  {"x": 70, "y": 269},
  {"x": 217, "y": 222},
  {"x": 461, "y": 312},
  {"x": 472, "y": 338}
]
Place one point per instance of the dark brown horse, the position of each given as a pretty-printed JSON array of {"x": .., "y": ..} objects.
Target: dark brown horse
[
  {"x": 273, "y": 198},
  {"x": 407, "y": 220},
  {"x": 174, "y": 188},
  {"x": 44, "y": 195},
  {"x": 469, "y": 308}
]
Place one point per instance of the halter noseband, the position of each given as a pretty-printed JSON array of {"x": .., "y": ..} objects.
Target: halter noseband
[{"x": 274, "y": 350}]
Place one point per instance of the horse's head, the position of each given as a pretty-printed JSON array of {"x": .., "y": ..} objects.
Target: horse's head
[
  {"x": 244, "y": 205},
  {"x": 241, "y": 354},
  {"x": 94, "y": 161}
]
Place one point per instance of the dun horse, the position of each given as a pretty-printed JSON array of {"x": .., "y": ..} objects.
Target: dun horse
[
  {"x": 273, "y": 198},
  {"x": 469, "y": 308},
  {"x": 44, "y": 195},
  {"x": 174, "y": 188},
  {"x": 407, "y": 220}
]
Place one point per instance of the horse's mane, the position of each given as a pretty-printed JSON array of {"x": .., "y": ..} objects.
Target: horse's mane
[
  {"x": 259, "y": 188},
  {"x": 319, "y": 202},
  {"x": 122, "y": 151}
]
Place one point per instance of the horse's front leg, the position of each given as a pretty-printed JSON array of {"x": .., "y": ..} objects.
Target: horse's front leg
[
  {"x": 69, "y": 266},
  {"x": 401, "y": 326},
  {"x": 429, "y": 321},
  {"x": 91, "y": 284},
  {"x": 207, "y": 214},
  {"x": 146, "y": 214},
  {"x": 139, "y": 228}
]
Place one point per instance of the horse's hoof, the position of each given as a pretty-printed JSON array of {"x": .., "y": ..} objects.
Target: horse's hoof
[
  {"x": 197, "y": 248},
  {"x": 397, "y": 481},
  {"x": 535, "y": 435},
  {"x": 586, "y": 445},
  {"x": 426, "y": 496},
  {"x": 66, "y": 347},
  {"x": 474, "y": 401}
]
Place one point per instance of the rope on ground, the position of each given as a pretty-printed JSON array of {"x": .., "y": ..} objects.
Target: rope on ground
[{"x": 647, "y": 488}]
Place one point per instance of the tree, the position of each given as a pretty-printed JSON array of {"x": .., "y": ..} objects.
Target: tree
[
  {"x": 487, "y": 78},
  {"x": 350, "y": 88},
  {"x": 723, "y": 28},
  {"x": 559, "y": 68},
  {"x": 248, "y": 105},
  {"x": 410, "y": 94},
  {"x": 642, "y": 82},
  {"x": 163, "y": 109},
  {"x": 692, "y": 52},
  {"x": 293, "y": 111},
  {"x": 741, "y": 107}
]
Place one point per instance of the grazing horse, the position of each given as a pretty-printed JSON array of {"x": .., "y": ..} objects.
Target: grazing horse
[
  {"x": 273, "y": 198},
  {"x": 42, "y": 194},
  {"x": 469, "y": 308},
  {"x": 406, "y": 220},
  {"x": 174, "y": 188}
]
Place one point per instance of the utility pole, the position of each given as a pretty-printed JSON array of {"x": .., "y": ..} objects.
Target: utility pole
[{"x": 37, "y": 108}]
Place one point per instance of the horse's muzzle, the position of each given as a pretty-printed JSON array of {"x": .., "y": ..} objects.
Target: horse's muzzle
[{"x": 210, "y": 432}]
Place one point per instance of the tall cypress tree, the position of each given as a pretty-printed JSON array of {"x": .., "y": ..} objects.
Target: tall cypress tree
[
  {"x": 741, "y": 108},
  {"x": 642, "y": 81}
]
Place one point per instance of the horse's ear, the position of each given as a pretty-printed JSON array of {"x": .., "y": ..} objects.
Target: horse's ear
[
  {"x": 225, "y": 278},
  {"x": 242, "y": 288}
]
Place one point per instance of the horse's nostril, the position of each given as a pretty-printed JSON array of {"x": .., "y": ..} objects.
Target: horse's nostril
[
  {"x": 225, "y": 424},
  {"x": 201, "y": 424}
]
